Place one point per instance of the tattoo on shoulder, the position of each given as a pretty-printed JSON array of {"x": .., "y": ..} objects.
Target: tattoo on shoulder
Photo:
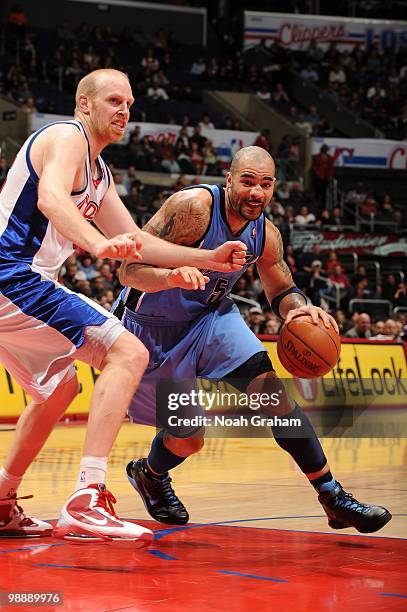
[
  {"x": 183, "y": 222},
  {"x": 280, "y": 263}
]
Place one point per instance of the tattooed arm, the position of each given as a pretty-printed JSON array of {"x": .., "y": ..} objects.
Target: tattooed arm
[
  {"x": 183, "y": 219},
  {"x": 275, "y": 274}
]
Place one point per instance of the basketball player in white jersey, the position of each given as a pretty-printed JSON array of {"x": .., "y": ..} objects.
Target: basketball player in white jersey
[{"x": 57, "y": 183}]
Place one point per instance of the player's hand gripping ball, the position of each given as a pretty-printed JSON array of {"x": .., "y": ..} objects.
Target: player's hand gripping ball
[{"x": 306, "y": 349}]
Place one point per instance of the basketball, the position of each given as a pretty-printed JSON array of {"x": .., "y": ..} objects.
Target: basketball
[{"x": 307, "y": 350}]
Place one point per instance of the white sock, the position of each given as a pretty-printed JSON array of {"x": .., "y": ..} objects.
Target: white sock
[
  {"x": 92, "y": 470},
  {"x": 8, "y": 483}
]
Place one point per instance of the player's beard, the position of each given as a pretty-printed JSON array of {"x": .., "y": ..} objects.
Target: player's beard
[{"x": 250, "y": 214}]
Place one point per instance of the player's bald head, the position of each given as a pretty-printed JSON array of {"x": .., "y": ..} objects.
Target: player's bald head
[
  {"x": 90, "y": 84},
  {"x": 253, "y": 156}
]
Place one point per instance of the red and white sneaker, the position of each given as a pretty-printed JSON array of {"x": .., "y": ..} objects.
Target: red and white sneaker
[
  {"x": 15, "y": 524},
  {"x": 89, "y": 515}
]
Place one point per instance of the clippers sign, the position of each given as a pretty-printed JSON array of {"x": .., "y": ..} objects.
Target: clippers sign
[
  {"x": 226, "y": 142},
  {"x": 365, "y": 152},
  {"x": 298, "y": 31}
]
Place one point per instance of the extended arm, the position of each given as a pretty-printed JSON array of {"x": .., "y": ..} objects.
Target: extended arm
[
  {"x": 182, "y": 220},
  {"x": 65, "y": 148},
  {"x": 276, "y": 279}
]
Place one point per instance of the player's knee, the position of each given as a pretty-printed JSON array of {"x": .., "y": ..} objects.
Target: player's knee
[
  {"x": 268, "y": 384},
  {"x": 184, "y": 447},
  {"x": 129, "y": 352}
]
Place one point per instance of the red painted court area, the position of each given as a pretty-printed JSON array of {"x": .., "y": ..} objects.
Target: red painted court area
[{"x": 213, "y": 567}]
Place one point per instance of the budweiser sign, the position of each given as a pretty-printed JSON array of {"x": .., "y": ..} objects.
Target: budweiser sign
[{"x": 343, "y": 242}]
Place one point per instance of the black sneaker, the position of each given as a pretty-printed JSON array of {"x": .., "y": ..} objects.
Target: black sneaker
[
  {"x": 157, "y": 494},
  {"x": 343, "y": 510}
]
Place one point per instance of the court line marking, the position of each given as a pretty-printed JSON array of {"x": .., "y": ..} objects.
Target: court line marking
[
  {"x": 162, "y": 555},
  {"x": 56, "y": 565},
  {"x": 241, "y": 575},
  {"x": 162, "y": 533},
  {"x": 393, "y": 595}
]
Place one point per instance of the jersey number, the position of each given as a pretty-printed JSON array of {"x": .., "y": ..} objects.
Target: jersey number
[{"x": 219, "y": 291}]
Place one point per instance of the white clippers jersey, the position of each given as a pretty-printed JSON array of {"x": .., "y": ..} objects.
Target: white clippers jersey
[{"x": 26, "y": 235}]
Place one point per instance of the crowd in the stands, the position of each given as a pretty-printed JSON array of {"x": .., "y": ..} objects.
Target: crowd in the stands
[{"x": 370, "y": 82}]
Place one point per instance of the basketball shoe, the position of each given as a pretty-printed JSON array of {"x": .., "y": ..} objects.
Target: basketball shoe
[
  {"x": 343, "y": 510},
  {"x": 89, "y": 512},
  {"x": 15, "y": 524},
  {"x": 157, "y": 494}
]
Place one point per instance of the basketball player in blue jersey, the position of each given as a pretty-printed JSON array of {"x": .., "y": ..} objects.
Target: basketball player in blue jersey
[
  {"x": 200, "y": 333},
  {"x": 57, "y": 184}
]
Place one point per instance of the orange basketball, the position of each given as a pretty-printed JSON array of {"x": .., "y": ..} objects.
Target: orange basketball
[{"x": 307, "y": 350}]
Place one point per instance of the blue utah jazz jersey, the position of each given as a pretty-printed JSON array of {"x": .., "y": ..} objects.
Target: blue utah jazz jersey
[{"x": 179, "y": 305}]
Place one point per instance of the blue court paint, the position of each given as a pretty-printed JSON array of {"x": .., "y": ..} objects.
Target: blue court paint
[
  {"x": 56, "y": 565},
  {"x": 393, "y": 595},
  {"x": 44, "y": 546},
  {"x": 250, "y": 576},
  {"x": 162, "y": 555}
]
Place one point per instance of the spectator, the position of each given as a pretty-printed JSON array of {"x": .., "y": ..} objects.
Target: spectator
[
  {"x": 196, "y": 157},
  {"x": 183, "y": 158},
  {"x": 389, "y": 287},
  {"x": 304, "y": 125},
  {"x": 340, "y": 318},
  {"x": 322, "y": 173},
  {"x": 318, "y": 283},
  {"x": 271, "y": 326},
  {"x": 206, "y": 122},
  {"x": 212, "y": 165},
  {"x": 158, "y": 200},
  {"x": 309, "y": 74},
  {"x": 255, "y": 319},
  {"x": 280, "y": 98},
  {"x": 324, "y": 127},
  {"x": 264, "y": 93},
  {"x": 198, "y": 68},
  {"x": 135, "y": 202},
  {"x": 170, "y": 164},
  {"x": 337, "y": 276},
  {"x": 118, "y": 183},
  {"x": 157, "y": 93},
  {"x": 87, "y": 266},
  {"x": 400, "y": 296},
  {"x": 337, "y": 75},
  {"x": 377, "y": 327},
  {"x": 290, "y": 259},
  {"x": 304, "y": 217},
  {"x": 390, "y": 332},
  {"x": 362, "y": 328},
  {"x": 375, "y": 90},
  {"x": 386, "y": 214},
  {"x": 150, "y": 63},
  {"x": 369, "y": 206},
  {"x": 263, "y": 140},
  {"x": 356, "y": 195},
  {"x": 313, "y": 117},
  {"x": 332, "y": 261},
  {"x": 197, "y": 138},
  {"x": 283, "y": 191}
]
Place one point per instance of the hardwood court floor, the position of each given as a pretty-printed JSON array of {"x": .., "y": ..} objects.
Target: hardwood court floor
[{"x": 257, "y": 537}]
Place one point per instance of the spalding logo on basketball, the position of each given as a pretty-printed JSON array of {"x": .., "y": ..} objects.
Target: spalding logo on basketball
[{"x": 307, "y": 350}]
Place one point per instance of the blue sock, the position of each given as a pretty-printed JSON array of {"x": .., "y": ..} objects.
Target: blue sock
[
  {"x": 160, "y": 458},
  {"x": 326, "y": 486}
]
